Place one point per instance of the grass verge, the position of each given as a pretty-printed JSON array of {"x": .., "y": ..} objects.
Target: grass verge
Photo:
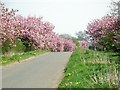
[
  {"x": 91, "y": 69},
  {"x": 17, "y": 57}
]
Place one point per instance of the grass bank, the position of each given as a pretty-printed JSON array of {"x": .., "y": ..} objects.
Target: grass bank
[
  {"x": 18, "y": 57},
  {"x": 91, "y": 69}
]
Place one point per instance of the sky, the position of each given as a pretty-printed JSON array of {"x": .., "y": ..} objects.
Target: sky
[{"x": 68, "y": 16}]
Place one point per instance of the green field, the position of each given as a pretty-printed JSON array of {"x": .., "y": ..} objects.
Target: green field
[
  {"x": 21, "y": 56},
  {"x": 91, "y": 69}
]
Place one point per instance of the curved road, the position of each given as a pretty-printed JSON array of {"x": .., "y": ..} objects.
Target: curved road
[{"x": 44, "y": 71}]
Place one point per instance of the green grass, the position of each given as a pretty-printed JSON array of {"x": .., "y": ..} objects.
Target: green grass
[
  {"x": 17, "y": 57},
  {"x": 90, "y": 69}
]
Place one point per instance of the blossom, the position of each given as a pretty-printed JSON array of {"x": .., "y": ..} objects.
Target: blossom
[{"x": 34, "y": 30}]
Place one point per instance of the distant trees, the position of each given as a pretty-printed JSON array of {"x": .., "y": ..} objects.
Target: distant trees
[
  {"x": 66, "y": 36},
  {"x": 69, "y": 37},
  {"x": 81, "y": 35},
  {"x": 83, "y": 39}
]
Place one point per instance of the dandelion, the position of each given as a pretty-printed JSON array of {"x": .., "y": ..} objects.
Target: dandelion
[
  {"x": 69, "y": 74},
  {"x": 66, "y": 84},
  {"x": 77, "y": 83}
]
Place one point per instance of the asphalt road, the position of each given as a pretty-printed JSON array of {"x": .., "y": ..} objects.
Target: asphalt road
[{"x": 44, "y": 71}]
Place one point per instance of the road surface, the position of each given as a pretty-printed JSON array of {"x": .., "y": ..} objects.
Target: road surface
[{"x": 44, "y": 71}]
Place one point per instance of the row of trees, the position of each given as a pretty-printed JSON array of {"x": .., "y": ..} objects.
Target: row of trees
[
  {"x": 105, "y": 32},
  {"x": 31, "y": 31}
]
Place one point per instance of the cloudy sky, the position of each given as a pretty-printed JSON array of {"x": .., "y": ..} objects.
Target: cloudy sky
[{"x": 68, "y": 16}]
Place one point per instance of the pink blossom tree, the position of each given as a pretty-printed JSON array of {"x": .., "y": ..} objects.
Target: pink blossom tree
[
  {"x": 104, "y": 32},
  {"x": 32, "y": 31},
  {"x": 6, "y": 26}
]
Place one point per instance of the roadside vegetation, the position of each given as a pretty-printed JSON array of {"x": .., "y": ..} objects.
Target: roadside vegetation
[
  {"x": 98, "y": 66},
  {"x": 20, "y": 56},
  {"x": 91, "y": 69}
]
